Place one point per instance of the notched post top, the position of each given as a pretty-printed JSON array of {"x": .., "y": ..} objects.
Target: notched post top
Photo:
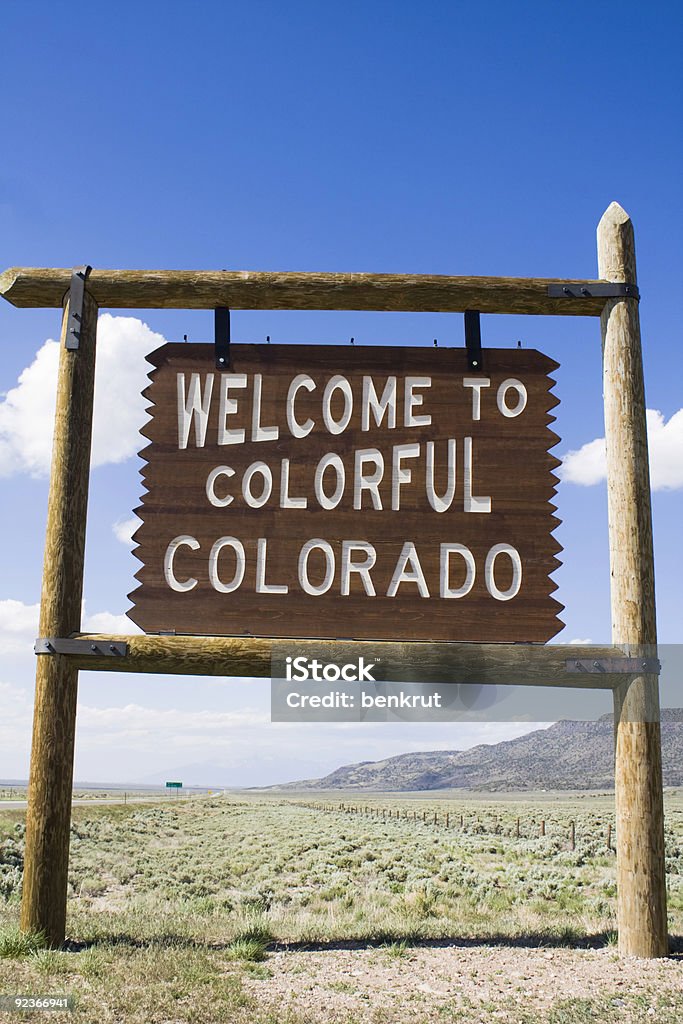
[{"x": 616, "y": 245}]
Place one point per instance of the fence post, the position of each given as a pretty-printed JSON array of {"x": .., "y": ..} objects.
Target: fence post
[{"x": 641, "y": 879}]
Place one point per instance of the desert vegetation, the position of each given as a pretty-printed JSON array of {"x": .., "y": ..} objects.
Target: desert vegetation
[{"x": 195, "y": 910}]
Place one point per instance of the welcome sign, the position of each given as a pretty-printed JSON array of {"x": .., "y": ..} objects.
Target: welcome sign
[{"x": 328, "y": 492}]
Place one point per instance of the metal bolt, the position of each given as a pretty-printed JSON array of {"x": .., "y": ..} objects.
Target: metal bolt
[
  {"x": 577, "y": 664},
  {"x": 566, "y": 290},
  {"x": 112, "y": 647},
  {"x": 596, "y": 664},
  {"x": 93, "y": 647},
  {"x": 584, "y": 291}
]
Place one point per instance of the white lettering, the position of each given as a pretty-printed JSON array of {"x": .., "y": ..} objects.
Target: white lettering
[
  {"x": 304, "y": 581},
  {"x": 193, "y": 408},
  {"x": 259, "y": 433},
  {"x": 369, "y": 482},
  {"x": 440, "y": 504},
  {"x": 211, "y": 480},
  {"x": 261, "y": 586},
  {"x": 240, "y": 564},
  {"x": 511, "y": 384},
  {"x": 296, "y": 429},
  {"x": 252, "y": 500},
  {"x": 412, "y": 401},
  {"x": 471, "y": 503},
  {"x": 399, "y": 475},
  {"x": 169, "y": 575},
  {"x": 348, "y": 565},
  {"x": 476, "y": 383},
  {"x": 285, "y": 500},
  {"x": 228, "y": 406},
  {"x": 337, "y": 384},
  {"x": 470, "y": 570},
  {"x": 327, "y": 461},
  {"x": 403, "y": 575},
  {"x": 489, "y": 572},
  {"x": 378, "y": 406}
]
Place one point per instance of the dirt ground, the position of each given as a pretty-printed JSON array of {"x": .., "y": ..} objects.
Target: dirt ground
[{"x": 470, "y": 984}]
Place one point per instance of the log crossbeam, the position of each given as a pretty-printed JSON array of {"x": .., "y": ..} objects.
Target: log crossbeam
[
  {"x": 250, "y": 657},
  {"x": 210, "y": 289}
]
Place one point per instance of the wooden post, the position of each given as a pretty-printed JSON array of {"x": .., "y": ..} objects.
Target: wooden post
[
  {"x": 48, "y": 816},
  {"x": 572, "y": 835},
  {"x": 517, "y": 829},
  {"x": 542, "y": 832},
  {"x": 641, "y": 879}
]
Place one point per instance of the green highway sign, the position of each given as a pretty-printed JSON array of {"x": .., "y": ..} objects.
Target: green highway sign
[{"x": 174, "y": 785}]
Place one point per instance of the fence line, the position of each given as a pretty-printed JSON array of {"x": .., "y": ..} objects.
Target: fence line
[{"x": 477, "y": 824}]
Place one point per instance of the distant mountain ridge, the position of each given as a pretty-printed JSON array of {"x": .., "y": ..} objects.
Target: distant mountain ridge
[{"x": 567, "y": 755}]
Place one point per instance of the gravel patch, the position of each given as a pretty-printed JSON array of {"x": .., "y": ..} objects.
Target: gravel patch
[{"x": 445, "y": 983}]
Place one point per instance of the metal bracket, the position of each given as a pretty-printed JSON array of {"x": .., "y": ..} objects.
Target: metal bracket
[
  {"x": 615, "y": 666},
  {"x": 76, "y": 296},
  {"x": 222, "y": 338},
  {"x": 81, "y": 646},
  {"x": 473, "y": 339},
  {"x": 598, "y": 289}
]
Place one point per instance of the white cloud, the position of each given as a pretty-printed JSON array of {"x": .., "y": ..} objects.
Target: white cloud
[
  {"x": 15, "y": 731},
  {"x": 107, "y": 622},
  {"x": 125, "y": 528},
  {"x": 587, "y": 465},
  {"x": 579, "y": 641},
  {"x": 185, "y": 728},
  {"x": 19, "y": 625},
  {"x": 27, "y": 410}
]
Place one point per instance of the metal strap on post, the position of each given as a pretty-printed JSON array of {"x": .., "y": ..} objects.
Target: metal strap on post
[
  {"x": 600, "y": 289},
  {"x": 473, "y": 339},
  {"x": 610, "y": 666},
  {"x": 222, "y": 337},
  {"x": 80, "y": 646},
  {"x": 76, "y": 296}
]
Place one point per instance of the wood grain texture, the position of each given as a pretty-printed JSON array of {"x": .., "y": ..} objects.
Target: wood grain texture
[
  {"x": 512, "y": 464},
  {"x": 54, "y": 723},
  {"x": 250, "y": 657},
  {"x": 641, "y": 879},
  {"x": 207, "y": 289}
]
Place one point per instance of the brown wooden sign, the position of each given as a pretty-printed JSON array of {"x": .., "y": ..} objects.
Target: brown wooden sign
[{"x": 370, "y": 493}]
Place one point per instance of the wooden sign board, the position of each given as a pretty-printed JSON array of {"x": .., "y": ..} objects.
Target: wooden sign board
[{"x": 369, "y": 493}]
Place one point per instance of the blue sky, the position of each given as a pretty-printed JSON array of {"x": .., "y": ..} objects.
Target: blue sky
[{"x": 391, "y": 137}]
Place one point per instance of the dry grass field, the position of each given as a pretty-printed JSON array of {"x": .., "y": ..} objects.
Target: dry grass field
[{"x": 264, "y": 909}]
